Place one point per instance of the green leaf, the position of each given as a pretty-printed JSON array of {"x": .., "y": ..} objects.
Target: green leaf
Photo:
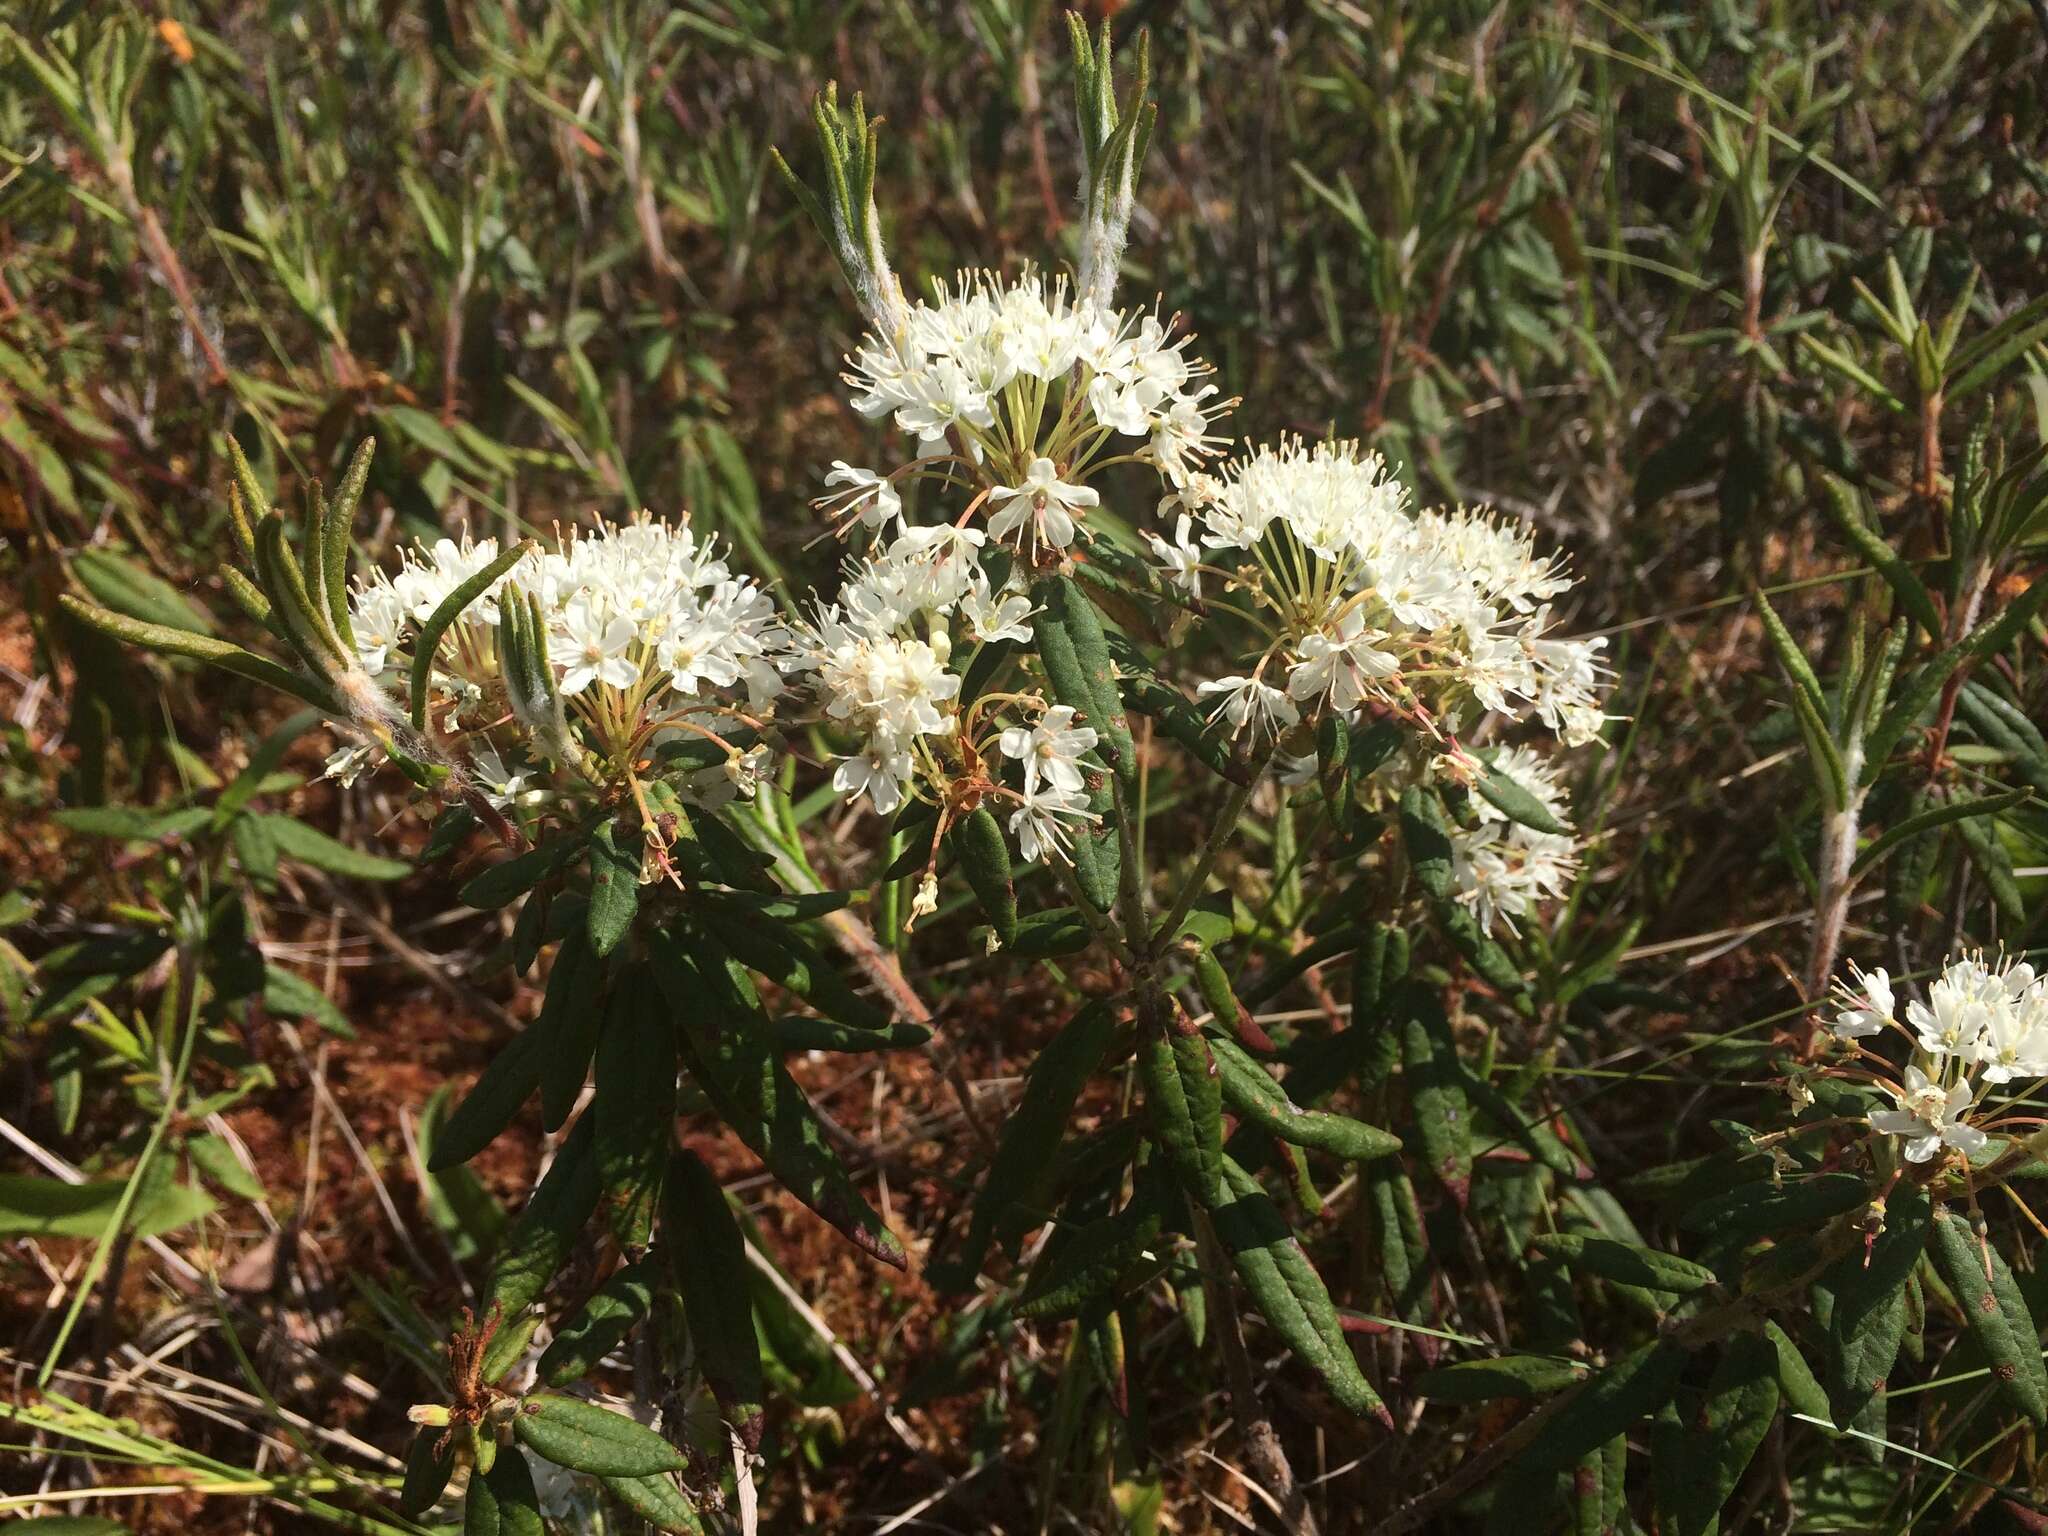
[
  {"x": 1996, "y": 1312},
  {"x": 658, "y": 1501},
  {"x": 1184, "y": 1102},
  {"x": 1086, "y": 1268},
  {"x": 539, "y": 1242},
  {"x": 1898, "y": 575},
  {"x": 128, "y": 587},
  {"x": 1936, "y": 816},
  {"x": 1697, "y": 1465},
  {"x": 506, "y": 1084},
  {"x": 635, "y": 1106},
  {"x": 450, "y": 608},
  {"x": 1513, "y": 801},
  {"x": 217, "y": 653},
  {"x": 38, "y": 1207},
  {"x": 583, "y": 1437},
  {"x": 1627, "y": 1263},
  {"x": 502, "y": 1501},
  {"x": 984, "y": 857},
  {"x": 1436, "y": 1087},
  {"x": 614, "y": 886},
  {"x": 292, "y": 995},
  {"x": 801, "y": 1032},
  {"x": 1481, "y": 1381},
  {"x": 1750, "y": 1211},
  {"x": 707, "y": 1256},
  {"x": 1253, "y": 1093},
  {"x": 1610, "y": 1403},
  {"x": 1019, "y": 1172},
  {"x": 426, "y": 1471},
  {"x": 505, "y": 882},
  {"x": 733, "y": 1057},
  {"x": 599, "y": 1326},
  {"x": 308, "y": 845},
  {"x": 131, "y": 823},
  {"x": 571, "y": 1019},
  {"x": 1867, "y": 1319},
  {"x": 1286, "y": 1289},
  {"x": 216, "y": 1159}
]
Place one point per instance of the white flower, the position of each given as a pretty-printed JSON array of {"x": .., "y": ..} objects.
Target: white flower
[
  {"x": 590, "y": 646},
  {"x": 1342, "y": 666},
  {"x": 998, "y": 616},
  {"x": 1048, "y": 501},
  {"x": 1867, "y": 1005},
  {"x": 1245, "y": 701},
  {"x": 874, "y": 497},
  {"x": 1051, "y": 750},
  {"x": 1929, "y": 1118},
  {"x": 1182, "y": 559},
  {"x": 879, "y": 771},
  {"x": 346, "y": 765},
  {"x": 1040, "y": 823},
  {"x": 501, "y": 783}
]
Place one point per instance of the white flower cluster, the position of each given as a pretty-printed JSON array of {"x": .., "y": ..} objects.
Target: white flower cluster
[
  {"x": 880, "y": 660},
  {"x": 646, "y": 633},
  {"x": 1503, "y": 868},
  {"x": 1981, "y": 1025},
  {"x": 1363, "y": 600},
  {"x": 1028, "y": 389}
]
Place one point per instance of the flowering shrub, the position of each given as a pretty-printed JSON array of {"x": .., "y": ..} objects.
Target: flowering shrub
[{"x": 1067, "y": 591}]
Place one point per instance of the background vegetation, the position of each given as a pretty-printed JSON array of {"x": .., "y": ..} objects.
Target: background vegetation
[{"x": 1642, "y": 275}]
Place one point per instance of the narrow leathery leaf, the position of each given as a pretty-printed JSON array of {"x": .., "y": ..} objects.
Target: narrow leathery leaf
[
  {"x": 502, "y": 1501},
  {"x": 985, "y": 861},
  {"x": 1696, "y": 1466},
  {"x": 128, "y": 587},
  {"x": 571, "y": 1018},
  {"x": 599, "y": 1326},
  {"x": 1252, "y": 1092},
  {"x": 708, "y": 1261},
  {"x": 1515, "y": 802},
  {"x": 583, "y": 1437},
  {"x": 635, "y": 1106},
  {"x": 730, "y": 1048},
  {"x": 507, "y": 881},
  {"x": 1052, "y": 628},
  {"x": 1628, "y": 1263},
  {"x": 1789, "y": 655},
  {"x": 248, "y": 597},
  {"x": 1898, "y": 575},
  {"x": 792, "y": 962},
  {"x": 1088, "y": 1266},
  {"x": 1832, "y": 771},
  {"x": 614, "y": 884},
  {"x": 1023, "y": 1158},
  {"x": 1798, "y": 1385},
  {"x": 1436, "y": 1088},
  {"x": 1094, "y": 850},
  {"x": 1184, "y": 1103},
  {"x": 1091, "y": 650},
  {"x": 803, "y": 1032},
  {"x": 658, "y": 1501},
  {"x": 2004, "y": 725},
  {"x": 1480, "y": 1381},
  {"x": 254, "y": 503},
  {"x": 1213, "y": 982},
  {"x": 1286, "y": 1289},
  {"x": 1936, "y": 816},
  {"x": 341, "y": 516},
  {"x": 1609, "y": 1404},
  {"x": 428, "y": 641},
  {"x": 305, "y": 626},
  {"x": 539, "y": 1241},
  {"x": 1052, "y": 933},
  {"x": 1750, "y": 1211},
  {"x": 1590, "y": 1493},
  {"x": 1996, "y": 1312},
  {"x": 1986, "y": 848},
  {"x": 1988, "y": 639},
  {"x": 918, "y": 825},
  {"x": 1102, "y": 1333},
  {"x": 775, "y": 906},
  {"x": 427, "y": 1471},
  {"x": 1868, "y": 1319},
  {"x": 506, "y": 1084},
  {"x": 1184, "y": 724},
  {"x": 1425, "y": 834},
  {"x": 309, "y": 845},
  {"x": 218, "y": 653},
  {"x": 1377, "y": 968}
]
